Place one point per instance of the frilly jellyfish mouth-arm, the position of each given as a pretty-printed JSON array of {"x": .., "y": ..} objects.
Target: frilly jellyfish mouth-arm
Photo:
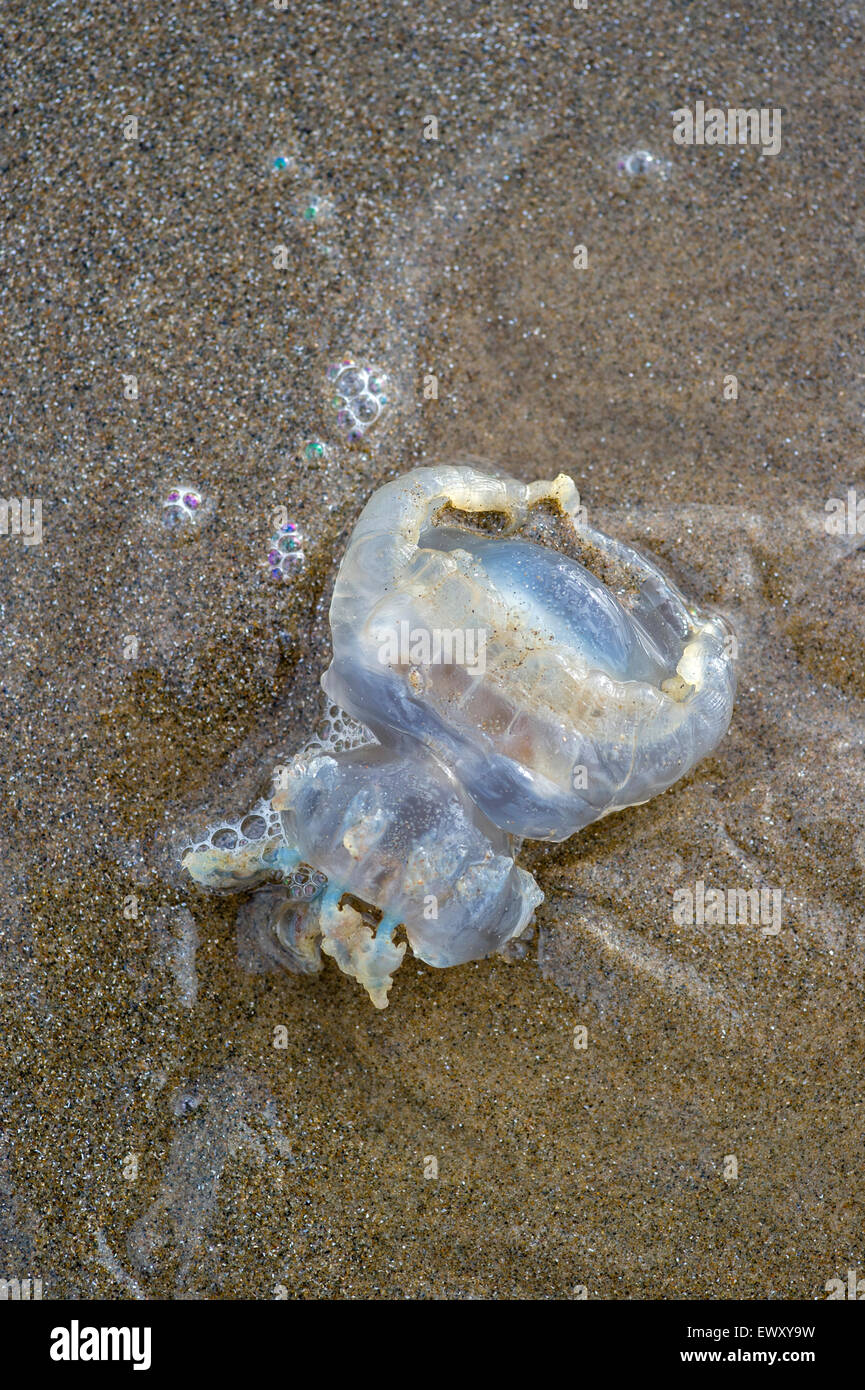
[
  {"x": 398, "y": 835},
  {"x": 523, "y": 674}
]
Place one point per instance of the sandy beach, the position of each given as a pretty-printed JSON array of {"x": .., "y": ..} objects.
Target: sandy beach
[{"x": 204, "y": 209}]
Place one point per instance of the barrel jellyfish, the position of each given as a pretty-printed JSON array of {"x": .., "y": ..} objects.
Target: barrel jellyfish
[{"x": 515, "y": 674}]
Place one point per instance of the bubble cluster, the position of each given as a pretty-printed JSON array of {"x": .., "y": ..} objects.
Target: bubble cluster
[
  {"x": 339, "y": 732},
  {"x": 181, "y": 504},
  {"x": 261, "y": 823},
  {"x": 285, "y": 551},
  {"x": 359, "y": 396},
  {"x": 253, "y": 841},
  {"x": 642, "y": 163},
  {"x": 305, "y": 882}
]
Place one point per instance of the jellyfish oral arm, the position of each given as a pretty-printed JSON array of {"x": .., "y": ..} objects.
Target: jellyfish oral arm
[{"x": 368, "y": 957}]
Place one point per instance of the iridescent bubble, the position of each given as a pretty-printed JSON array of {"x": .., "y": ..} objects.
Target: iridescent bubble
[
  {"x": 642, "y": 163},
  {"x": 181, "y": 504},
  {"x": 351, "y": 383},
  {"x": 359, "y": 398},
  {"x": 285, "y": 551}
]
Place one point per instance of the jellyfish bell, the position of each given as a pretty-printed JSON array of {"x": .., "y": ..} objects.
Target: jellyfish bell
[{"x": 593, "y": 659}]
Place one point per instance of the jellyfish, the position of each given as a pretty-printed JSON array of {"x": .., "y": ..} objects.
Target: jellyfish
[{"x": 519, "y": 674}]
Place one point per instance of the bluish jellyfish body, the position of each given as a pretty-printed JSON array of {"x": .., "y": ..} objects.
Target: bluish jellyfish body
[{"x": 521, "y": 675}]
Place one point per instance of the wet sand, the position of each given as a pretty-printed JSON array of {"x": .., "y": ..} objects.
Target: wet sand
[{"x": 154, "y": 1142}]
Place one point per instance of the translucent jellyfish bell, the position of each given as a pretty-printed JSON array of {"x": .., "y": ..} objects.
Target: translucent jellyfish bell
[{"x": 554, "y": 670}]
